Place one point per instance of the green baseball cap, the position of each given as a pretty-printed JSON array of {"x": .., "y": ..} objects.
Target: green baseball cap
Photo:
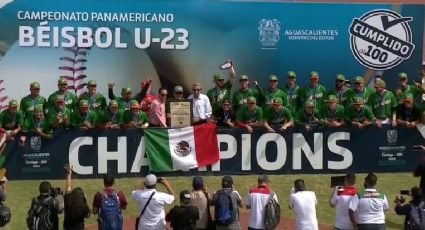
[
  {"x": 251, "y": 100},
  {"x": 13, "y": 103},
  {"x": 402, "y": 76},
  {"x": 358, "y": 79},
  {"x": 340, "y": 77},
  {"x": 35, "y": 85},
  {"x": 243, "y": 78},
  {"x": 314, "y": 74},
  {"x": 59, "y": 98},
  {"x": 178, "y": 88},
  {"x": 113, "y": 103},
  {"x": 62, "y": 81},
  {"x": 272, "y": 78},
  {"x": 380, "y": 83},
  {"x": 92, "y": 82},
  {"x": 309, "y": 103},
  {"x": 358, "y": 101},
  {"x": 218, "y": 77},
  {"x": 126, "y": 90},
  {"x": 331, "y": 98},
  {"x": 408, "y": 97},
  {"x": 291, "y": 74},
  {"x": 38, "y": 109},
  {"x": 277, "y": 101},
  {"x": 134, "y": 104},
  {"x": 83, "y": 103}
]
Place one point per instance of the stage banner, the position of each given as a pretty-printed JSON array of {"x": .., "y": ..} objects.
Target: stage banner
[
  {"x": 182, "y": 42},
  {"x": 122, "y": 153}
]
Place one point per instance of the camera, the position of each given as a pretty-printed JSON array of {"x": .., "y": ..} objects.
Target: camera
[
  {"x": 160, "y": 179},
  {"x": 405, "y": 192},
  {"x": 55, "y": 192}
]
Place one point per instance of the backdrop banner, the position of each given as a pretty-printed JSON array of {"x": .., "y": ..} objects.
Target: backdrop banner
[{"x": 122, "y": 153}]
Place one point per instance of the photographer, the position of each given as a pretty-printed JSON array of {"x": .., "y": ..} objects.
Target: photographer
[
  {"x": 413, "y": 211},
  {"x": 76, "y": 207},
  {"x": 44, "y": 209}
]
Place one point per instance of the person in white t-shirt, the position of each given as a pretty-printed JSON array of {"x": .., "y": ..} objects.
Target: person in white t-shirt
[
  {"x": 340, "y": 200},
  {"x": 154, "y": 216},
  {"x": 304, "y": 205},
  {"x": 256, "y": 201},
  {"x": 367, "y": 207}
]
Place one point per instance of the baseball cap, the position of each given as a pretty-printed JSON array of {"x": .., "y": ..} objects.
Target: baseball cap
[
  {"x": 185, "y": 197},
  {"x": 277, "y": 101},
  {"x": 227, "y": 181},
  {"x": 113, "y": 103},
  {"x": 243, "y": 78},
  {"x": 13, "y": 103},
  {"x": 59, "y": 98},
  {"x": 340, "y": 77},
  {"x": 178, "y": 88},
  {"x": 314, "y": 74},
  {"x": 134, "y": 104},
  {"x": 251, "y": 99},
  {"x": 62, "y": 81},
  {"x": 35, "y": 85},
  {"x": 380, "y": 83},
  {"x": 402, "y": 76},
  {"x": 218, "y": 77},
  {"x": 291, "y": 74},
  {"x": 358, "y": 101},
  {"x": 272, "y": 78},
  {"x": 84, "y": 103},
  {"x": 358, "y": 79},
  {"x": 150, "y": 180},
  {"x": 331, "y": 98},
  {"x": 126, "y": 90},
  {"x": 91, "y": 82},
  {"x": 408, "y": 97},
  {"x": 309, "y": 103},
  {"x": 38, "y": 109},
  {"x": 197, "y": 182}
]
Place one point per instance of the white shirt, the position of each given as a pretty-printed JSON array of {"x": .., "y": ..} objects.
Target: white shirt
[
  {"x": 341, "y": 199},
  {"x": 154, "y": 216},
  {"x": 257, "y": 199},
  {"x": 201, "y": 106},
  {"x": 304, "y": 205},
  {"x": 369, "y": 207}
]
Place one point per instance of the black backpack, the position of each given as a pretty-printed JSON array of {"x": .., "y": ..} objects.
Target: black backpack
[
  {"x": 5, "y": 214},
  {"x": 40, "y": 214},
  {"x": 417, "y": 216}
]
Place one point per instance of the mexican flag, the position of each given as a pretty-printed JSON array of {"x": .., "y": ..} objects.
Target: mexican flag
[{"x": 181, "y": 148}]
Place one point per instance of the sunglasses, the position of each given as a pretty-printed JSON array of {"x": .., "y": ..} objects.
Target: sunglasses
[
  {"x": 196, "y": 90},
  {"x": 226, "y": 104},
  {"x": 178, "y": 92},
  {"x": 163, "y": 94}
]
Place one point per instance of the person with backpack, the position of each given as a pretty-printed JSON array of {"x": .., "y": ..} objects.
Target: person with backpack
[
  {"x": 75, "y": 205},
  {"x": 226, "y": 202},
  {"x": 44, "y": 209},
  {"x": 108, "y": 203},
  {"x": 183, "y": 217},
  {"x": 151, "y": 203},
  {"x": 414, "y": 211},
  {"x": 260, "y": 200}
]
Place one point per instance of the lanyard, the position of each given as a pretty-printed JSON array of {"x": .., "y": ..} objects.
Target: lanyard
[
  {"x": 112, "y": 116},
  {"x": 38, "y": 123}
]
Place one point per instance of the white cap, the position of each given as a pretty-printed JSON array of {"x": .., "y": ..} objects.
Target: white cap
[{"x": 150, "y": 180}]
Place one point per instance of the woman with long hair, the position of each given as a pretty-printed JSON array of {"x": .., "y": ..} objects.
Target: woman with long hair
[{"x": 76, "y": 207}]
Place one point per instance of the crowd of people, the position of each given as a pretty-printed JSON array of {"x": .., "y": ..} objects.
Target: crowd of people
[{"x": 274, "y": 108}]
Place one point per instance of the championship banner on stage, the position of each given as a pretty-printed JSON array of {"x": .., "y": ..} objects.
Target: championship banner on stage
[{"x": 182, "y": 42}]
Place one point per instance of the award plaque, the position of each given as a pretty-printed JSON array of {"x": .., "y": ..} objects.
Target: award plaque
[{"x": 180, "y": 113}]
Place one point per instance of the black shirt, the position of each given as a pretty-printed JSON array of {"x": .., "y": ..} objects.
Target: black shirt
[
  {"x": 73, "y": 222},
  {"x": 405, "y": 114},
  {"x": 220, "y": 116},
  {"x": 183, "y": 217}
]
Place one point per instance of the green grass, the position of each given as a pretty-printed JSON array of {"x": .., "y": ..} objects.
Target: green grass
[{"x": 21, "y": 192}]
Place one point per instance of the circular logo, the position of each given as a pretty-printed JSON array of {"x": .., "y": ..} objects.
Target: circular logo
[{"x": 381, "y": 39}]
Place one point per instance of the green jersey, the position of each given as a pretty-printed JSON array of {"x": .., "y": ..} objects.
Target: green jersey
[
  {"x": 96, "y": 102},
  {"x": 31, "y": 124},
  {"x": 77, "y": 118},
  {"x": 266, "y": 96},
  {"x": 139, "y": 118},
  {"x": 11, "y": 121},
  {"x": 277, "y": 118},
  {"x": 302, "y": 118},
  {"x": 69, "y": 98},
  {"x": 217, "y": 96},
  {"x": 333, "y": 115},
  {"x": 54, "y": 115},
  {"x": 382, "y": 105},
  {"x": 240, "y": 97},
  {"x": 28, "y": 104},
  {"x": 245, "y": 116},
  {"x": 410, "y": 89},
  {"x": 317, "y": 95},
  {"x": 293, "y": 99},
  {"x": 353, "y": 93},
  {"x": 114, "y": 118},
  {"x": 340, "y": 95},
  {"x": 123, "y": 104},
  {"x": 364, "y": 114}
]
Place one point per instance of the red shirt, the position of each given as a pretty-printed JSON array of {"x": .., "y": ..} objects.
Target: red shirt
[{"x": 109, "y": 190}]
